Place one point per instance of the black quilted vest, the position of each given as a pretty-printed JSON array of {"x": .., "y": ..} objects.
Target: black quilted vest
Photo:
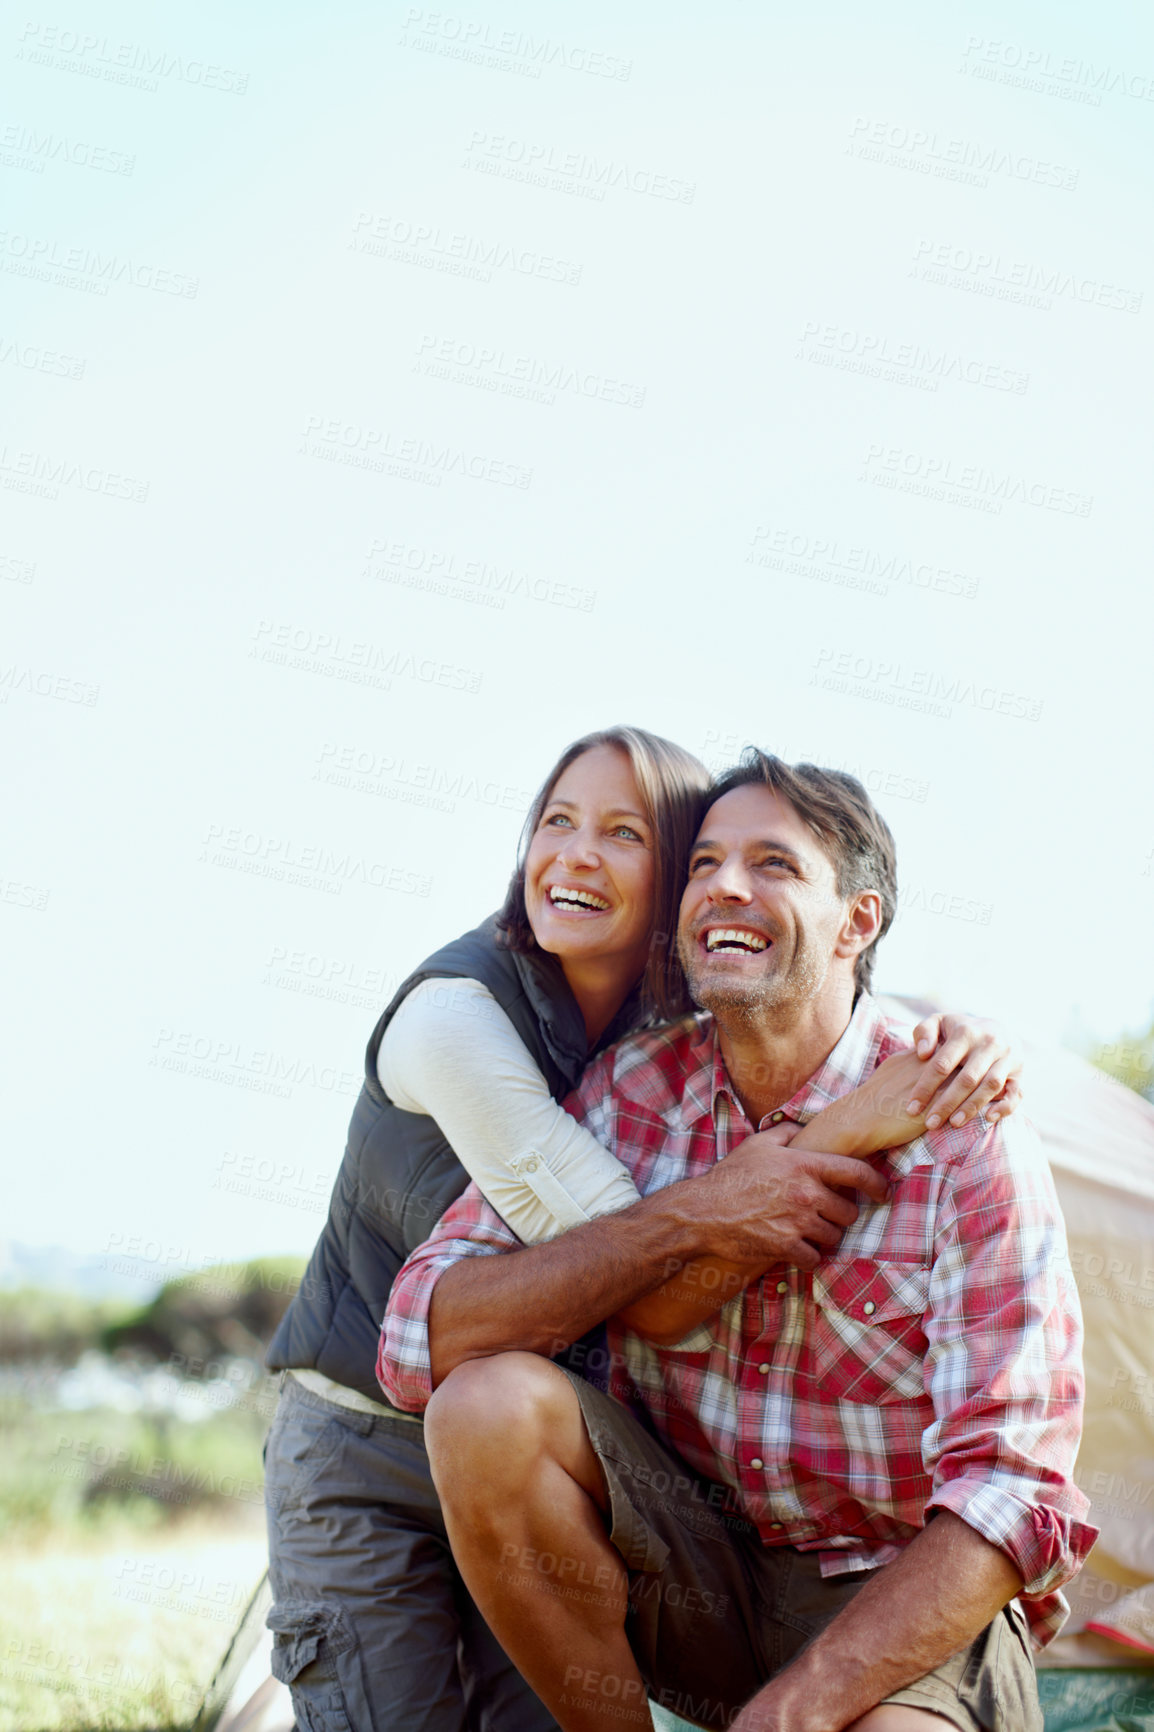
[{"x": 399, "y": 1174}]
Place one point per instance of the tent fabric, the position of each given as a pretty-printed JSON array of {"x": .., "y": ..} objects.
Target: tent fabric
[{"x": 1099, "y": 1139}]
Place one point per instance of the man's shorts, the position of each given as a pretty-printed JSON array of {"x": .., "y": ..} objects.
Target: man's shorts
[{"x": 714, "y": 1613}]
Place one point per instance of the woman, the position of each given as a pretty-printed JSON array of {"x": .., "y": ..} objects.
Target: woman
[{"x": 373, "y": 1626}]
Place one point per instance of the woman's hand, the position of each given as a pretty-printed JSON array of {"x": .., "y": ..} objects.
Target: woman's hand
[
  {"x": 957, "y": 1067},
  {"x": 973, "y": 1068}
]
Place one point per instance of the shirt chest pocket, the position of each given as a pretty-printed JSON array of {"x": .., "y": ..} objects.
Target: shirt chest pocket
[{"x": 867, "y": 1342}]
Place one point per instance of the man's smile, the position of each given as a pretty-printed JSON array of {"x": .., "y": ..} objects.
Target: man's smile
[{"x": 732, "y": 940}]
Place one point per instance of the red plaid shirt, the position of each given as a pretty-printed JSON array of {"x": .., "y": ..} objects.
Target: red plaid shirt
[{"x": 933, "y": 1361}]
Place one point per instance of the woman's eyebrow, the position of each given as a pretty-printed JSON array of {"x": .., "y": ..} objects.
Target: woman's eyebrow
[{"x": 617, "y": 812}]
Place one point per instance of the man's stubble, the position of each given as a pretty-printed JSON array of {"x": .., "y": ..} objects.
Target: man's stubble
[{"x": 772, "y": 999}]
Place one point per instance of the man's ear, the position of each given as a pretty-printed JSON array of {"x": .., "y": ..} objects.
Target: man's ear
[{"x": 863, "y": 919}]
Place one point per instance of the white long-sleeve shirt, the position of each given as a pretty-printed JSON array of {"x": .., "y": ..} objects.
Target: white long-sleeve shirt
[{"x": 451, "y": 1052}]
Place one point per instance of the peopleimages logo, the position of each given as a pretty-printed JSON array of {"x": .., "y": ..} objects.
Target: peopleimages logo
[
  {"x": 925, "y": 366},
  {"x": 440, "y": 571},
  {"x": 38, "y": 473},
  {"x": 929, "y": 691},
  {"x": 851, "y": 565},
  {"x": 925, "y": 151},
  {"x": 410, "y": 781},
  {"x": 228, "y": 1061},
  {"x": 49, "y": 260},
  {"x": 25, "y": 147},
  {"x": 436, "y": 249},
  {"x": 384, "y": 452},
  {"x": 355, "y": 660},
  {"x": 1049, "y": 74},
  {"x": 33, "y": 359},
  {"x": 40, "y": 683},
  {"x": 513, "y": 375},
  {"x": 541, "y": 164},
  {"x": 504, "y": 50},
  {"x": 131, "y": 63},
  {"x": 309, "y": 866},
  {"x": 1016, "y": 280},
  {"x": 938, "y": 477}
]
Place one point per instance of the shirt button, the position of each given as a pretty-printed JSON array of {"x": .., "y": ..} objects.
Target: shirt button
[
  {"x": 869, "y": 1307},
  {"x": 531, "y": 1165},
  {"x": 775, "y": 1525},
  {"x": 764, "y": 1369},
  {"x": 776, "y": 1118},
  {"x": 783, "y": 1286},
  {"x": 757, "y": 1462}
]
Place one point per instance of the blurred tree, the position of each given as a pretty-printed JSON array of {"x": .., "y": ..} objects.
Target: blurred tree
[
  {"x": 40, "y": 1323},
  {"x": 1130, "y": 1060},
  {"x": 229, "y": 1309}
]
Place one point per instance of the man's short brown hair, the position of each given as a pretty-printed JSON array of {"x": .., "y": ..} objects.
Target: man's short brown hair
[{"x": 853, "y": 834}]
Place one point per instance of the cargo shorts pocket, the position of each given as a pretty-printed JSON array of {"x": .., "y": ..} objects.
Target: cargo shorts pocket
[
  {"x": 308, "y": 1641},
  {"x": 299, "y": 1447}
]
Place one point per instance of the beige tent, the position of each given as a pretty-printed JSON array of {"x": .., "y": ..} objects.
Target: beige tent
[
  {"x": 1100, "y": 1140},
  {"x": 1099, "y": 1137}
]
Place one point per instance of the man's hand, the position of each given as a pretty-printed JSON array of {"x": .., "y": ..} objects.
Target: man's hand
[
  {"x": 770, "y": 1203},
  {"x": 931, "y": 1602},
  {"x": 775, "y": 1198}
]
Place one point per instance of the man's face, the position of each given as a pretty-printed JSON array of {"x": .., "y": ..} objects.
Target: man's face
[{"x": 761, "y": 920}]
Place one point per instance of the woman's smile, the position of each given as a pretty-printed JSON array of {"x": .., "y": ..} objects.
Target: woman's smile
[
  {"x": 589, "y": 869},
  {"x": 571, "y": 897}
]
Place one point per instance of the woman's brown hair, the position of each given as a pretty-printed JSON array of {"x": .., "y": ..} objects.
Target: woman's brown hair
[{"x": 673, "y": 786}]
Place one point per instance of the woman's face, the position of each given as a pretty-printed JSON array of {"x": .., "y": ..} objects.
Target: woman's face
[{"x": 589, "y": 870}]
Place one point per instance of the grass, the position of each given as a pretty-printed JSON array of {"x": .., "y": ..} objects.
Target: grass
[
  {"x": 131, "y": 1546},
  {"x": 120, "y": 1631}
]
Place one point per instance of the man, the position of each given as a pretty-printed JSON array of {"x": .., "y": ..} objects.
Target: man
[{"x": 843, "y": 1481}]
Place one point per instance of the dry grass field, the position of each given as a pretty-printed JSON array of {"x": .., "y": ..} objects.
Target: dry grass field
[{"x": 121, "y": 1630}]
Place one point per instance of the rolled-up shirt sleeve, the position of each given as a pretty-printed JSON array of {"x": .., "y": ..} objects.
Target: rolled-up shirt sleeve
[
  {"x": 1004, "y": 1367},
  {"x": 468, "y": 1228}
]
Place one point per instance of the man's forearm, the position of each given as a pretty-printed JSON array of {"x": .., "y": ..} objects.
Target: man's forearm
[
  {"x": 762, "y": 1204},
  {"x": 930, "y": 1603},
  {"x": 542, "y": 1298}
]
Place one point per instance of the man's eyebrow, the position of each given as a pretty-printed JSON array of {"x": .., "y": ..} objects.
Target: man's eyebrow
[{"x": 764, "y": 845}]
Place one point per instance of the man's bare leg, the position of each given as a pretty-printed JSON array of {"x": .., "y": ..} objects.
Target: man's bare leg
[
  {"x": 524, "y": 1501},
  {"x": 897, "y": 1717}
]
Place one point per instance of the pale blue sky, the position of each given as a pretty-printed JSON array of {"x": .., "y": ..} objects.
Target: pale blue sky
[{"x": 786, "y": 331}]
